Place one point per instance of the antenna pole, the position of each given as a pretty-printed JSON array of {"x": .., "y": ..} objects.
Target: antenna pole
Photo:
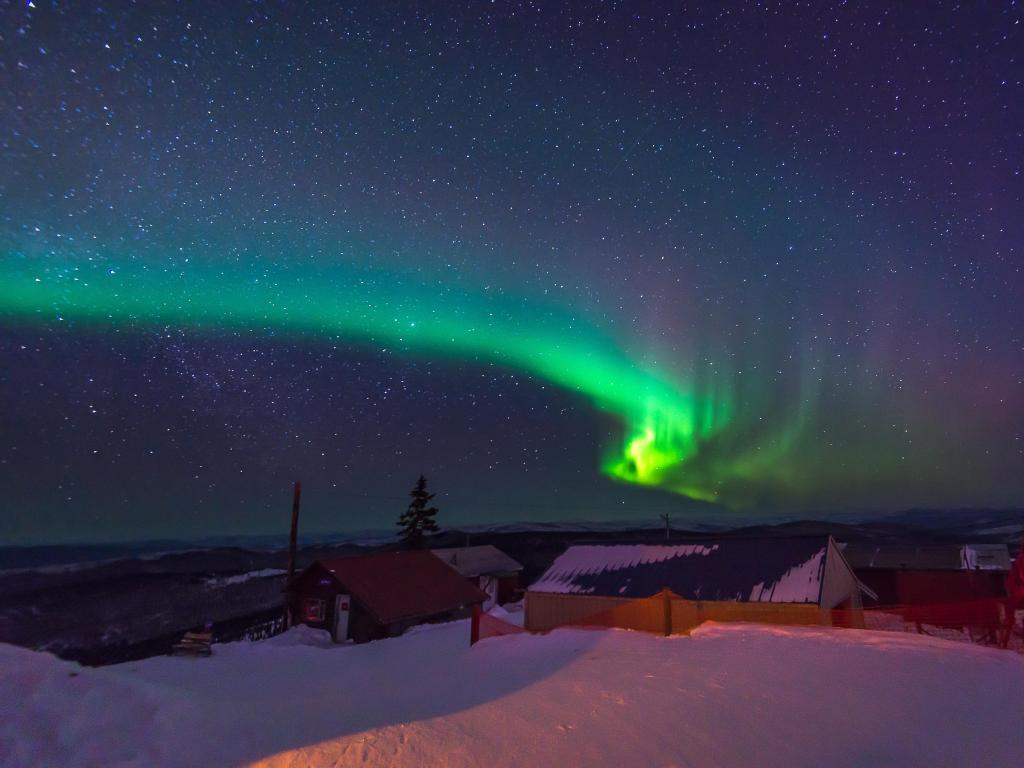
[{"x": 294, "y": 535}]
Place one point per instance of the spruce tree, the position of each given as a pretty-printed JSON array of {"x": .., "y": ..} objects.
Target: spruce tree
[{"x": 418, "y": 518}]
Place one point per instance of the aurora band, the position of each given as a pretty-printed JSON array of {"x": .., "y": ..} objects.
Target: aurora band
[{"x": 665, "y": 424}]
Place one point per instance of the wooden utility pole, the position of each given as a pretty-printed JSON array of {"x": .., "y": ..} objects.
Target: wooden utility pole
[
  {"x": 665, "y": 518},
  {"x": 294, "y": 535}
]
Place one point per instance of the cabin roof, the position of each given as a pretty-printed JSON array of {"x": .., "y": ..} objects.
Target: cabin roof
[
  {"x": 478, "y": 561},
  {"x": 402, "y": 585},
  {"x": 928, "y": 557},
  {"x": 773, "y": 570}
]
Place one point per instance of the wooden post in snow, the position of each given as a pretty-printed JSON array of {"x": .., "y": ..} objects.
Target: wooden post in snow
[
  {"x": 474, "y": 627},
  {"x": 665, "y": 518},
  {"x": 294, "y": 535}
]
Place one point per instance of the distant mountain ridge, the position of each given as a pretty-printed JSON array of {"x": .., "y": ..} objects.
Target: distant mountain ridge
[{"x": 988, "y": 524}]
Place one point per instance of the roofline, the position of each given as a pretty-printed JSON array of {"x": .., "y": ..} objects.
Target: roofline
[
  {"x": 842, "y": 557},
  {"x": 674, "y": 595},
  {"x": 503, "y": 572},
  {"x": 829, "y": 545},
  {"x": 697, "y": 539},
  {"x": 306, "y": 570},
  {"x": 516, "y": 569},
  {"x": 403, "y": 617},
  {"x": 913, "y": 569},
  {"x": 381, "y": 620},
  {"x": 864, "y": 588},
  {"x": 867, "y": 590}
]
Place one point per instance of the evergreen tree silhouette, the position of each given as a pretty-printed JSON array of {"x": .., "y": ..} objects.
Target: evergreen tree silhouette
[{"x": 418, "y": 518}]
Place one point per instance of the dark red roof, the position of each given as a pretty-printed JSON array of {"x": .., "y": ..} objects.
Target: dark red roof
[{"x": 403, "y": 585}]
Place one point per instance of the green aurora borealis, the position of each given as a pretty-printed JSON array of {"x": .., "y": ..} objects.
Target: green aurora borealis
[
  {"x": 668, "y": 424},
  {"x": 570, "y": 263}
]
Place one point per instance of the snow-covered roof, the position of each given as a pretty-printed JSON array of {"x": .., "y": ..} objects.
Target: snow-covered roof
[
  {"x": 747, "y": 570},
  {"x": 476, "y": 561}
]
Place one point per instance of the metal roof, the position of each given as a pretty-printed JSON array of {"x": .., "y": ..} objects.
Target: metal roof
[
  {"x": 786, "y": 570},
  {"x": 928, "y": 557},
  {"x": 402, "y": 585},
  {"x": 478, "y": 561}
]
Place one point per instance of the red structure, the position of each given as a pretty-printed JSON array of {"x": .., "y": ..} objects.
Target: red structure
[
  {"x": 931, "y": 587},
  {"x": 930, "y": 574},
  {"x": 1015, "y": 579},
  {"x": 368, "y": 597},
  {"x": 488, "y": 568}
]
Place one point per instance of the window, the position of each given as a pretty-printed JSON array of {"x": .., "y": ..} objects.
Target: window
[{"x": 312, "y": 609}]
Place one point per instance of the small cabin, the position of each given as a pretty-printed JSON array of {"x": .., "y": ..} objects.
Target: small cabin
[
  {"x": 486, "y": 567},
  {"x": 369, "y": 597}
]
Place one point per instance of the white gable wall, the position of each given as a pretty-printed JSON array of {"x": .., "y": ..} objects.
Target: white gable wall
[{"x": 838, "y": 582}]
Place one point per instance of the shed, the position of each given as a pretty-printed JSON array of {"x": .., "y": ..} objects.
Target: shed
[
  {"x": 368, "y": 597},
  {"x": 805, "y": 571},
  {"x": 486, "y": 567},
  {"x": 929, "y": 574}
]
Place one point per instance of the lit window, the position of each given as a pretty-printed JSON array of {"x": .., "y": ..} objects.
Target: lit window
[{"x": 313, "y": 609}]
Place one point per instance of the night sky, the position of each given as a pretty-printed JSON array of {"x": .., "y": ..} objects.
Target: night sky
[{"x": 569, "y": 260}]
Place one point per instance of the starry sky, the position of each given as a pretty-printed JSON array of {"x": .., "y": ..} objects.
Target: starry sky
[{"x": 572, "y": 261}]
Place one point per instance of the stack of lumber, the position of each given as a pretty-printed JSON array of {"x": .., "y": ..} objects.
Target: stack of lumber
[{"x": 193, "y": 644}]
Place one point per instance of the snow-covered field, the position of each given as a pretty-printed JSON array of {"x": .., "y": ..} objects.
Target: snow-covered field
[
  {"x": 730, "y": 695},
  {"x": 241, "y": 578}
]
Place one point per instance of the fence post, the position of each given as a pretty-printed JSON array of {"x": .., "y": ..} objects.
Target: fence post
[
  {"x": 474, "y": 631},
  {"x": 667, "y": 596}
]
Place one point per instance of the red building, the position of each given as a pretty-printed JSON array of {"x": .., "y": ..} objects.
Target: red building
[
  {"x": 930, "y": 574},
  {"x": 487, "y": 567},
  {"x": 368, "y": 597}
]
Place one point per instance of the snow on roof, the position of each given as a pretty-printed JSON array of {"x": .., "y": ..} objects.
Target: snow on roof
[
  {"x": 479, "y": 560},
  {"x": 590, "y": 560},
  {"x": 746, "y": 570}
]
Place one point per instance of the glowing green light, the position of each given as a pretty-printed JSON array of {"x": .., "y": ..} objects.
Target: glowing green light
[{"x": 665, "y": 423}]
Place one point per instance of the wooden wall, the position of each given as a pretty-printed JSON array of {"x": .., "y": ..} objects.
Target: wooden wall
[
  {"x": 507, "y": 588},
  {"x": 545, "y": 611},
  {"x": 690, "y": 614},
  {"x": 914, "y": 587}
]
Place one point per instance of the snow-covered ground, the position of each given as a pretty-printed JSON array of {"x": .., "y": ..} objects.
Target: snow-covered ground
[
  {"x": 729, "y": 695},
  {"x": 241, "y": 578}
]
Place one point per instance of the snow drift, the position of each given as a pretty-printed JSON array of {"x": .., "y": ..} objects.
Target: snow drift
[{"x": 726, "y": 696}]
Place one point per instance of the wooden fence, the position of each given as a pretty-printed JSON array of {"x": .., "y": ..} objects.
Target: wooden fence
[
  {"x": 664, "y": 613},
  {"x": 991, "y": 622}
]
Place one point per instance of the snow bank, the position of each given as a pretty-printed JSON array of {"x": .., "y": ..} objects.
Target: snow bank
[
  {"x": 300, "y": 635},
  {"x": 55, "y": 713},
  {"x": 730, "y": 695},
  {"x": 511, "y": 613}
]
